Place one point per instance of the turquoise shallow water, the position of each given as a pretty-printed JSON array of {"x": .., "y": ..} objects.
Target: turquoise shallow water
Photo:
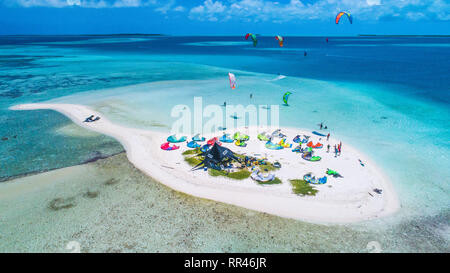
[
  {"x": 109, "y": 206},
  {"x": 389, "y": 101}
]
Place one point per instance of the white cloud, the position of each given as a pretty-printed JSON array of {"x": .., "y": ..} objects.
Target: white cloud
[
  {"x": 297, "y": 10},
  {"x": 82, "y": 3},
  {"x": 208, "y": 11},
  {"x": 179, "y": 9},
  {"x": 166, "y": 7},
  {"x": 266, "y": 10},
  {"x": 373, "y": 2}
]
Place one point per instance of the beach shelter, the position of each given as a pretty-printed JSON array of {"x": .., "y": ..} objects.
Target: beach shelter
[{"x": 215, "y": 156}]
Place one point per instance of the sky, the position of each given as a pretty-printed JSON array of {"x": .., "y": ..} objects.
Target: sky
[{"x": 224, "y": 17}]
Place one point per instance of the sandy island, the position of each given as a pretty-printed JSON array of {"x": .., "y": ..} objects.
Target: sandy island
[{"x": 340, "y": 200}]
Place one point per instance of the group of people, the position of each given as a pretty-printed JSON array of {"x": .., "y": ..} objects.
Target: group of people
[
  {"x": 321, "y": 126},
  {"x": 337, "y": 148}
]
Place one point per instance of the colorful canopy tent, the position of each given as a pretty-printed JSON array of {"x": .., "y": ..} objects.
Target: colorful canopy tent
[
  {"x": 280, "y": 40},
  {"x": 232, "y": 79},
  {"x": 215, "y": 157},
  {"x": 340, "y": 14},
  {"x": 253, "y": 37}
]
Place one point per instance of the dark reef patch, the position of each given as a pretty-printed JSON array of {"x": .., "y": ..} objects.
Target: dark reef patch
[{"x": 61, "y": 203}]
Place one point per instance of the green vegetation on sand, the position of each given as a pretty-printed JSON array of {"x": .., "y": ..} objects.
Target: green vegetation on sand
[
  {"x": 239, "y": 175},
  {"x": 300, "y": 187}
]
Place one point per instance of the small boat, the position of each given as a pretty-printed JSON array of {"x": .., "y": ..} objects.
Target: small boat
[
  {"x": 318, "y": 134},
  {"x": 260, "y": 177}
]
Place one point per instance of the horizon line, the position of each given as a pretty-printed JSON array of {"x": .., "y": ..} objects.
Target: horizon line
[{"x": 233, "y": 35}]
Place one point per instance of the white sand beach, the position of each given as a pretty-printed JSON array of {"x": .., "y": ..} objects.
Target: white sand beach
[{"x": 340, "y": 200}]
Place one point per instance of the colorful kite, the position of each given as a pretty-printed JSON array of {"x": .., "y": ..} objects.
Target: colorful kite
[
  {"x": 232, "y": 79},
  {"x": 280, "y": 40},
  {"x": 338, "y": 17},
  {"x": 253, "y": 36},
  {"x": 286, "y": 97}
]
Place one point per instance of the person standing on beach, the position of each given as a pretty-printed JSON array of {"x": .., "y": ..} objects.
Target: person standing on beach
[
  {"x": 328, "y": 148},
  {"x": 328, "y": 137},
  {"x": 335, "y": 150}
]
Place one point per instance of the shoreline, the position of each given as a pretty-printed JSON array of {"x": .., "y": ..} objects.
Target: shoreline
[
  {"x": 27, "y": 174},
  {"x": 344, "y": 205}
]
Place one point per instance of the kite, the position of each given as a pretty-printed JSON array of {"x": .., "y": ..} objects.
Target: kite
[
  {"x": 338, "y": 17},
  {"x": 253, "y": 36}
]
